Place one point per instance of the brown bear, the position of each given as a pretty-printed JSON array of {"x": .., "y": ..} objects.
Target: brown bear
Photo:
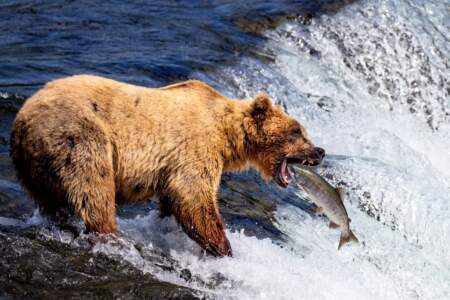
[{"x": 86, "y": 143}]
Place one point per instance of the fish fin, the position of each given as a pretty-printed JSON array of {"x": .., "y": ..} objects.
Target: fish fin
[
  {"x": 353, "y": 237},
  {"x": 341, "y": 191},
  {"x": 345, "y": 239},
  {"x": 333, "y": 225}
]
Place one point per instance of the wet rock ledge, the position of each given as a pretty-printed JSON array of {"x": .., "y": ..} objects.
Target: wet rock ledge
[{"x": 35, "y": 267}]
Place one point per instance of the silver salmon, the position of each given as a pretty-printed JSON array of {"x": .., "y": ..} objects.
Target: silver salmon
[{"x": 327, "y": 199}]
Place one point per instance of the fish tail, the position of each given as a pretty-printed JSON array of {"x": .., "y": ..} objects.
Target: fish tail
[{"x": 344, "y": 239}]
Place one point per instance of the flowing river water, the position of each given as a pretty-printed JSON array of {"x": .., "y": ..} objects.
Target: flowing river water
[{"x": 368, "y": 79}]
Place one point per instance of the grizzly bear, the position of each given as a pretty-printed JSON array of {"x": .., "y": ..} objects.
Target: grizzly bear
[{"x": 85, "y": 143}]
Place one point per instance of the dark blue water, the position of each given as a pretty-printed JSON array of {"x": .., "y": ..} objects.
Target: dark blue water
[
  {"x": 150, "y": 43},
  {"x": 144, "y": 42}
]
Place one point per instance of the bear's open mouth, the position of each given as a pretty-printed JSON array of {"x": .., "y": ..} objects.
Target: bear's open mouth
[{"x": 283, "y": 176}]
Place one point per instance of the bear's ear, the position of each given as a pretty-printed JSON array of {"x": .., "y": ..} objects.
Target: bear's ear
[{"x": 260, "y": 106}]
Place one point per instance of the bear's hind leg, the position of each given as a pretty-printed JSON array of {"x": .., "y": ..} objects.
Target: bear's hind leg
[
  {"x": 92, "y": 195},
  {"x": 89, "y": 181},
  {"x": 97, "y": 208}
]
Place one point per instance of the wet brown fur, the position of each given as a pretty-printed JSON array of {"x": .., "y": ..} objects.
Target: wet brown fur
[{"x": 86, "y": 143}]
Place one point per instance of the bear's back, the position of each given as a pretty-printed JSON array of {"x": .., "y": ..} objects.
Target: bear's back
[{"x": 117, "y": 104}]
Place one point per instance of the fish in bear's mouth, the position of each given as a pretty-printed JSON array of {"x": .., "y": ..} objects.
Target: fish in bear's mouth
[{"x": 283, "y": 176}]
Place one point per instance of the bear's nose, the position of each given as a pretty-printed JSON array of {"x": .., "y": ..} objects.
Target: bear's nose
[{"x": 319, "y": 152}]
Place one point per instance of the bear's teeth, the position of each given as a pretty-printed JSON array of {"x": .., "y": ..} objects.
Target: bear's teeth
[{"x": 285, "y": 175}]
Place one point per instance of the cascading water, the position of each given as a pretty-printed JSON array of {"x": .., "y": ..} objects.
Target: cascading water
[{"x": 371, "y": 85}]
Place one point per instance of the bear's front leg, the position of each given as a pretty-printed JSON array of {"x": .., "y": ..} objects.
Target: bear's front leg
[{"x": 198, "y": 214}]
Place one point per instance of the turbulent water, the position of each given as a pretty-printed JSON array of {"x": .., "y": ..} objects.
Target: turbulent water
[{"x": 370, "y": 82}]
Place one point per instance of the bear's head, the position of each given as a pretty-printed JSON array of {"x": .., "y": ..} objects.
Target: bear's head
[{"x": 274, "y": 140}]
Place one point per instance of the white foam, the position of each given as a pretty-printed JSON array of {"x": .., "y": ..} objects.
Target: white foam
[{"x": 398, "y": 170}]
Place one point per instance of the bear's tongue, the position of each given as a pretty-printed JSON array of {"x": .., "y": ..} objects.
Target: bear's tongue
[{"x": 284, "y": 172}]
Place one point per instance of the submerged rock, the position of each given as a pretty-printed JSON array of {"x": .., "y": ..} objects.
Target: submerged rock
[{"x": 249, "y": 203}]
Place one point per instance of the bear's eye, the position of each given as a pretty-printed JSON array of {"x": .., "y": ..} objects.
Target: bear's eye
[{"x": 296, "y": 131}]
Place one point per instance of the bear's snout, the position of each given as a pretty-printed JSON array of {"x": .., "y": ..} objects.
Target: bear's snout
[
  {"x": 316, "y": 157},
  {"x": 320, "y": 153},
  {"x": 312, "y": 157}
]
